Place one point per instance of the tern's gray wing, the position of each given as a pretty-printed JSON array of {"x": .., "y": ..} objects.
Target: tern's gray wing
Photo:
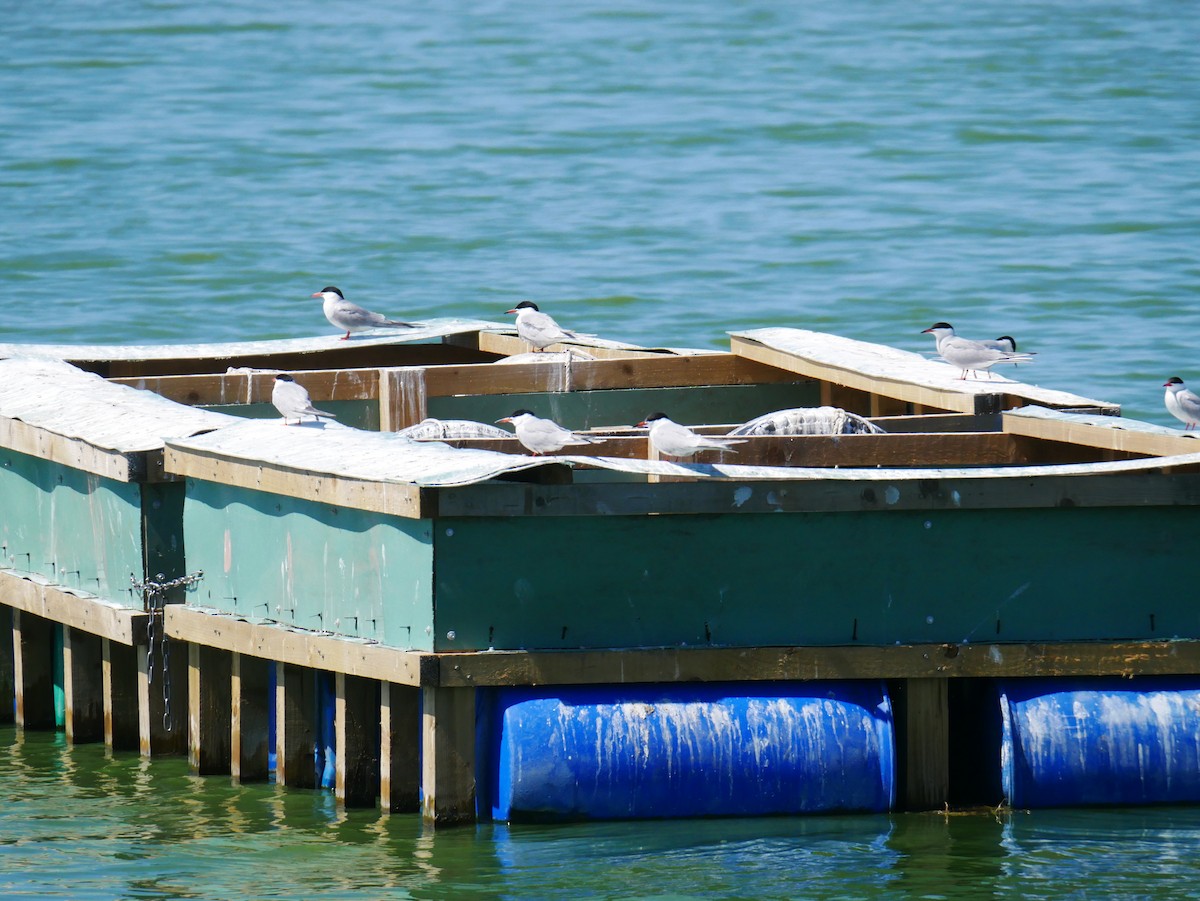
[{"x": 351, "y": 315}]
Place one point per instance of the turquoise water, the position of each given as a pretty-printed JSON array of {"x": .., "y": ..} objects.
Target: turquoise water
[{"x": 657, "y": 172}]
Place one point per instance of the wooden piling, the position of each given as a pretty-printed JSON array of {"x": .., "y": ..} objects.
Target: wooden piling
[
  {"x": 250, "y": 702},
  {"x": 83, "y": 685},
  {"x": 922, "y": 719},
  {"x": 448, "y": 755},
  {"x": 33, "y": 670},
  {"x": 119, "y": 689},
  {"x": 209, "y": 720},
  {"x": 399, "y": 748},
  {"x": 357, "y": 726},
  {"x": 7, "y": 685},
  {"x": 295, "y": 726},
  {"x": 163, "y": 701}
]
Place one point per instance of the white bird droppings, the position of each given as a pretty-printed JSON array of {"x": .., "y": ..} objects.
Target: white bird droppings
[{"x": 742, "y": 495}]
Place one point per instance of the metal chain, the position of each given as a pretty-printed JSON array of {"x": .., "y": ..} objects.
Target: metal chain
[{"x": 154, "y": 599}]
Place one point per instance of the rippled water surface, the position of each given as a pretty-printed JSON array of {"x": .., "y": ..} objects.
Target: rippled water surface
[{"x": 657, "y": 172}]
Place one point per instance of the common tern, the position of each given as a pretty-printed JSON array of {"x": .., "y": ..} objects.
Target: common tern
[
  {"x": 292, "y": 401},
  {"x": 674, "y": 440},
  {"x": 350, "y": 316},
  {"x": 541, "y": 436},
  {"x": 968, "y": 355},
  {"x": 1181, "y": 403},
  {"x": 538, "y": 328}
]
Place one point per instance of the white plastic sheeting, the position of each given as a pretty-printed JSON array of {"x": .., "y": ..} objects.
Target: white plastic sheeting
[
  {"x": 808, "y": 421},
  {"x": 58, "y": 397}
]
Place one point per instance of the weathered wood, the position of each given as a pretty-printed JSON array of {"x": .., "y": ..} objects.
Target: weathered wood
[
  {"x": 448, "y": 755},
  {"x": 1084, "y": 434},
  {"x": 119, "y": 677},
  {"x": 403, "y": 398},
  {"x": 298, "y": 648},
  {"x": 209, "y": 716},
  {"x": 250, "y": 711},
  {"x": 1129, "y": 659},
  {"x": 357, "y": 727},
  {"x": 511, "y": 345},
  {"x": 399, "y": 748},
  {"x": 295, "y": 726},
  {"x": 73, "y": 452},
  {"x": 83, "y": 686},
  {"x": 162, "y": 689},
  {"x": 379, "y": 497},
  {"x": 7, "y": 685},
  {"x": 87, "y": 614},
  {"x": 33, "y": 670},
  {"x": 922, "y": 717}
]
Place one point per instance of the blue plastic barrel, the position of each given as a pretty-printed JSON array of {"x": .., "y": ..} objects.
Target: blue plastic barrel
[
  {"x": 1100, "y": 741},
  {"x": 607, "y": 752}
]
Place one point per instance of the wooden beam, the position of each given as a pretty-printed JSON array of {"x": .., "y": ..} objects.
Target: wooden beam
[
  {"x": 511, "y": 345},
  {"x": 403, "y": 398},
  {"x": 921, "y": 714},
  {"x": 83, "y": 686},
  {"x": 33, "y": 670},
  {"x": 295, "y": 726},
  {"x": 87, "y": 614},
  {"x": 357, "y": 725},
  {"x": 379, "y": 497},
  {"x": 250, "y": 711},
  {"x": 399, "y": 748},
  {"x": 1107, "y": 437},
  {"x": 119, "y": 686},
  {"x": 162, "y": 698},
  {"x": 448, "y": 755},
  {"x": 279, "y": 643},
  {"x": 232, "y": 388},
  {"x": 209, "y": 716},
  {"x": 73, "y": 452},
  {"x": 1129, "y": 659}
]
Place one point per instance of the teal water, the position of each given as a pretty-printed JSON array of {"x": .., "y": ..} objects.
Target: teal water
[{"x": 657, "y": 172}]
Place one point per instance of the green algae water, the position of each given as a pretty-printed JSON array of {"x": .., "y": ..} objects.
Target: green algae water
[{"x": 657, "y": 172}]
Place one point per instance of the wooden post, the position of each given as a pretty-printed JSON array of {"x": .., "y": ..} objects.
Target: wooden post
[
  {"x": 357, "y": 751},
  {"x": 33, "y": 670},
  {"x": 399, "y": 748},
  {"x": 402, "y": 398},
  {"x": 923, "y": 743},
  {"x": 83, "y": 685},
  {"x": 7, "y": 685},
  {"x": 295, "y": 729},
  {"x": 209, "y": 720},
  {"x": 119, "y": 677},
  {"x": 448, "y": 754},
  {"x": 163, "y": 704},
  {"x": 250, "y": 724}
]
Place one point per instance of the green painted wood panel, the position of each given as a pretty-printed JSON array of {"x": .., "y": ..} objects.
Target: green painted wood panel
[
  {"x": 872, "y": 578},
  {"x": 311, "y": 565},
  {"x": 78, "y": 529},
  {"x": 627, "y": 406}
]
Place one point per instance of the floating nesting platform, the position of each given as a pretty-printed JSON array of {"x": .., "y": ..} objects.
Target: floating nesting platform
[{"x": 461, "y": 605}]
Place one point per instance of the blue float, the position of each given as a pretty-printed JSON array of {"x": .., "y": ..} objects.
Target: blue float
[
  {"x": 1100, "y": 741},
  {"x": 609, "y": 752}
]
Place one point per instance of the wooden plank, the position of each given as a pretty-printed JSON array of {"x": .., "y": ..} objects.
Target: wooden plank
[
  {"x": 33, "y": 670},
  {"x": 399, "y": 748},
  {"x": 209, "y": 715},
  {"x": 295, "y": 726},
  {"x": 119, "y": 685},
  {"x": 231, "y": 388},
  {"x": 297, "y": 648},
  {"x": 380, "y": 497},
  {"x": 72, "y": 452},
  {"x": 833, "y": 495},
  {"x": 511, "y": 345},
  {"x": 83, "y": 686},
  {"x": 403, "y": 397},
  {"x": 87, "y": 614},
  {"x": 921, "y": 713},
  {"x": 356, "y": 724},
  {"x": 162, "y": 700},
  {"x": 448, "y": 755},
  {"x": 250, "y": 703},
  {"x": 1109, "y": 438},
  {"x": 1129, "y": 659},
  {"x": 926, "y": 396},
  {"x": 7, "y": 686}
]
